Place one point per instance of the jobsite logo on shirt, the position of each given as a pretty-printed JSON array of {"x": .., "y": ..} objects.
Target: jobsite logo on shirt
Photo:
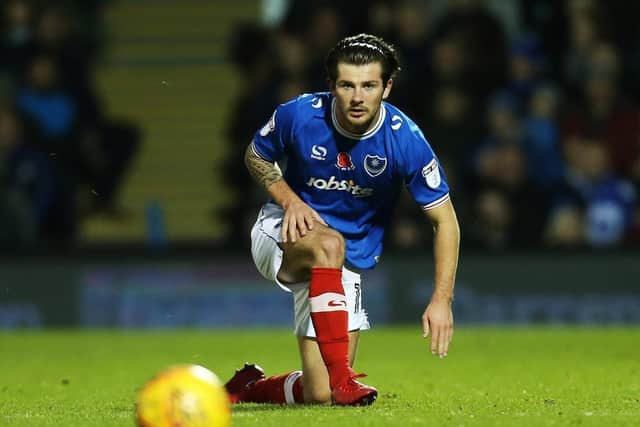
[{"x": 333, "y": 183}]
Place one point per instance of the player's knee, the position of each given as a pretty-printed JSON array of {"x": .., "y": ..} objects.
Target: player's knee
[
  {"x": 318, "y": 395},
  {"x": 331, "y": 249}
]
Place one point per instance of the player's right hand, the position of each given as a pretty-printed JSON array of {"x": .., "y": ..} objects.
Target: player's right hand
[
  {"x": 437, "y": 320},
  {"x": 298, "y": 220}
]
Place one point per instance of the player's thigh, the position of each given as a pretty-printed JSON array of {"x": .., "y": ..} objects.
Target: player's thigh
[
  {"x": 298, "y": 257},
  {"x": 315, "y": 377}
]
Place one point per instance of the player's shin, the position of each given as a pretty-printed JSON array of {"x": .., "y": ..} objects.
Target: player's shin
[{"x": 330, "y": 320}]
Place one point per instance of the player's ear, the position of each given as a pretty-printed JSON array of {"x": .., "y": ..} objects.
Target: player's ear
[
  {"x": 332, "y": 86},
  {"x": 387, "y": 89}
]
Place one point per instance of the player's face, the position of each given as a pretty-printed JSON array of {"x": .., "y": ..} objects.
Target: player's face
[{"x": 359, "y": 91}]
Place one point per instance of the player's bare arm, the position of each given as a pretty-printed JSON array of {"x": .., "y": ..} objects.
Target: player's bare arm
[
  {"x": 298, "y": 217},
  {"x": 437, "y": 319},
  {"x": 263, "y": 171}
]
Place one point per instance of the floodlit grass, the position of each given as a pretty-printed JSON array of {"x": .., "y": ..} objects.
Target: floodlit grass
[{"x": 492, "y": 377}]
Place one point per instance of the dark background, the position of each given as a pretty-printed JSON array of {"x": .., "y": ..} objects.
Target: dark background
[{"x": 123, "y": 125}]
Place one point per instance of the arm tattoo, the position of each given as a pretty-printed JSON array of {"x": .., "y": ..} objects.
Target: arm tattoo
[{"x": 263, "y": 171}]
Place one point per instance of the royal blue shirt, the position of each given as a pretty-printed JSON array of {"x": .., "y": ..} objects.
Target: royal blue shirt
[{"x": 352, "y": 180}]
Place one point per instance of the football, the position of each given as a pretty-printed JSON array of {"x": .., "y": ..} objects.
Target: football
[{"x": 183, "y": 396}]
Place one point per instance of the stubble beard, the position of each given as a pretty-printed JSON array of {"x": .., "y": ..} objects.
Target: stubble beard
[{"x": 360, "y": 128}]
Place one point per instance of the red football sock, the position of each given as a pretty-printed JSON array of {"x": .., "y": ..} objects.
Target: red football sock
[
  {"x": 282, "y": 389},
  {"x": 330, "y": 319}
]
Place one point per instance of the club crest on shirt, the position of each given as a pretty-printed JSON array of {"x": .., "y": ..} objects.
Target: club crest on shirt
[
  {"x": 431, "y": 174},
  {"x": 270, "y": 126},
  {"x": 344, "y": 162},
  {"x": 374, "y": 165}
]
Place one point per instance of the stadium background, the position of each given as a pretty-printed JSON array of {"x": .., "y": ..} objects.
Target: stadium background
[{"x": 164, "y": 96}]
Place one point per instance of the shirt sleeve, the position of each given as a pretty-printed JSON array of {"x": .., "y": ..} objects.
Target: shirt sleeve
[
  {"x": 422, "y": 173},
  {"x": 273, "y": 139}
]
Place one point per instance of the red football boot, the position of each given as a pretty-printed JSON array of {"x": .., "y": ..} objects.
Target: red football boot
[
  {"x": 242, "y": 380},
  {"x": 353, "y": 393}
]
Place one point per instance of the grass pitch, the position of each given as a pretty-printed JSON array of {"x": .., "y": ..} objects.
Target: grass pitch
[{"x": 492, "y": 377}]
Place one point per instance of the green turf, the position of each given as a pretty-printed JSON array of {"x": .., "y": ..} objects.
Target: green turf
[{"x": 492, "y": 377}]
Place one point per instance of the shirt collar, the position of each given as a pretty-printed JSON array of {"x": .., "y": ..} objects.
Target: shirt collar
[{"x": 358, "y": 136}]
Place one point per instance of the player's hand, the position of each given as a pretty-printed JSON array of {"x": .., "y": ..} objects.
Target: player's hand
[
  {"x": 437, "y": 320},
  {"x": 298, "y": 220}
]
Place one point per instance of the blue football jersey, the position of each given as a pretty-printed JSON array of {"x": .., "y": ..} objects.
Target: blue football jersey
[{"x": 352, "y": 180}]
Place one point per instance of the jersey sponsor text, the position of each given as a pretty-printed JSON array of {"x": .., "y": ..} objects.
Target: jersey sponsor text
[{"x": 340, "y": 185}]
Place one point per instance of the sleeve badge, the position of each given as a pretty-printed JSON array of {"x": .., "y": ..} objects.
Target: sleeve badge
[{"x": 431, "y": 174}]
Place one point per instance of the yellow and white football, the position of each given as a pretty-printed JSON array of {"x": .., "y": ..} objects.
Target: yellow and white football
[{"x": 183, "y": 396}]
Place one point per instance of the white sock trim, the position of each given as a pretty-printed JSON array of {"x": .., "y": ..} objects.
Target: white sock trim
[
  {"x": 329, "y": 301},
  {"x": 288, "y": 387}
]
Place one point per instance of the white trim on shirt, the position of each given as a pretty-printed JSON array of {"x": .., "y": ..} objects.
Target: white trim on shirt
[
  {"x": 368, "y": 134},
  {"x": 436, "y": 203}
]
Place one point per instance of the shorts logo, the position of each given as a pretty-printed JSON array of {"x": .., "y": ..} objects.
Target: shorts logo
[
  {"x": 270, "y": 126},
  {"x": 318, "y": 152},
  {"x": 431, "y": 174},
  {"x": 344, "y": 162},
  {"x": 374, "y": 165}
]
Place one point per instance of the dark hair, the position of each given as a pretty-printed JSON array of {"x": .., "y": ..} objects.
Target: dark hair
[{"x": 360, "y": 50}]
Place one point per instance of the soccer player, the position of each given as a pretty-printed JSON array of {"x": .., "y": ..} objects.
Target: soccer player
[{"x": 347, "y": 154}]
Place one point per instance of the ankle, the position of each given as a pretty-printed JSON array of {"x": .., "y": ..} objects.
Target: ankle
[{"x": 339, "y": 373}]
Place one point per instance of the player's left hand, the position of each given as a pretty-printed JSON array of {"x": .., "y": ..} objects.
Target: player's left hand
[{"x": 437, "y": 320}]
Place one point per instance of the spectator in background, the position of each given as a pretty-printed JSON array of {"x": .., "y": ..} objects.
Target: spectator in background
[
  {"x": 448, "y": 68},
  {"x": 380, "y": 19},
  {"x": 412, "y": 28},
  {"x": 596, "y": 206},
  {"x": 605, "y": 114},
  {"x": 105, "y": 146},
  {"x": 57, "y": 36},
  {"x": 541, "y": 139},
  {"x": 547, "y": 19},
  {"x": 291, "y": 69},
  {"x": 526, "y": 66},
  {"x": 50, "y": 107},
  {"x": 52, "y": 114},
  {"x": 323, "y": 31},
  {"x": 29, "y": 188},
  {"x": 17, "y": 220},
  {"x": 482, "y": 40},
  {"x": 16, "y": 36},
  {"x": 612, "y": 120},
  {"x": 453, "y": 126},
  {"x": 81, "y": 151},
  {"x": 503, "y": 129},
  {"x": 507, "y": 211},
  {"x": 626, "y": 37},
  {"x": 449, "y": 64},
  {"x": 588, "y": 25}
]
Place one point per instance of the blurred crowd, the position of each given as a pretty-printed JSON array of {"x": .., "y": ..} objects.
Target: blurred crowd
[
  {"x": 532, "y": 107},
  {"x": 61, "y": 156}
]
